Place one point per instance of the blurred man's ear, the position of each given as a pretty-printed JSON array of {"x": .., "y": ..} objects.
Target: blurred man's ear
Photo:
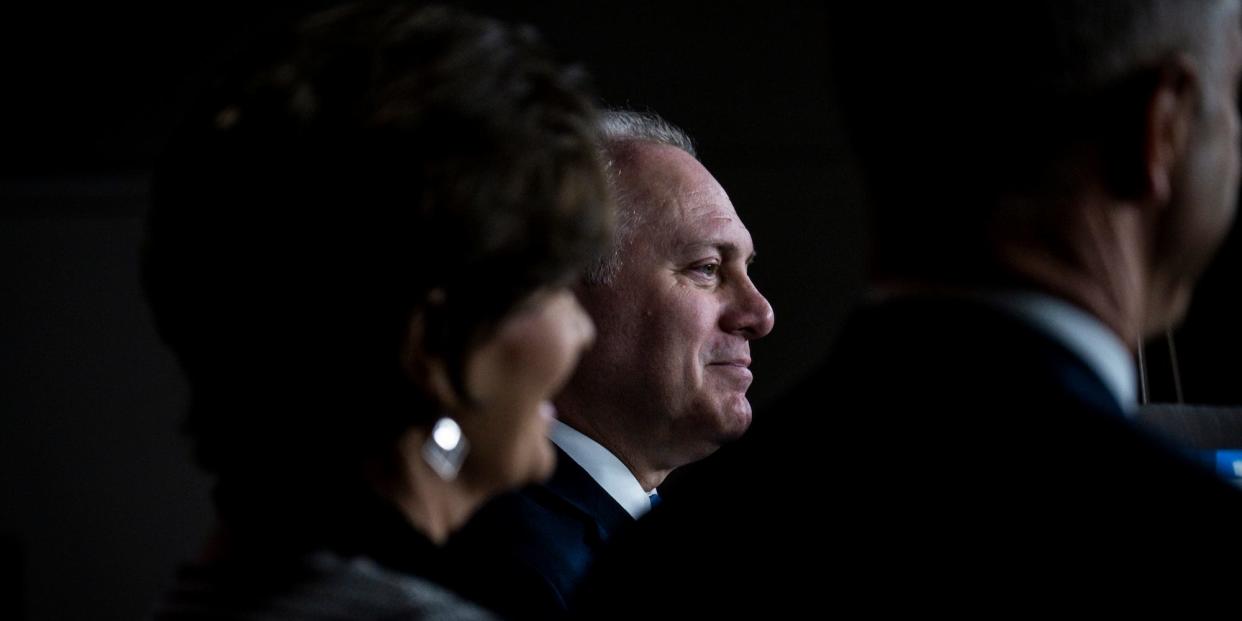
[
  {"x": 1170, "y": 114},
  {"x": 1145, "y": 126},
  {"x": 428, "y": 371}
]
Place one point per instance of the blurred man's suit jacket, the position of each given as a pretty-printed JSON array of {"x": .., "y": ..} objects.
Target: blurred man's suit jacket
[{"x": 947, "y": 453}]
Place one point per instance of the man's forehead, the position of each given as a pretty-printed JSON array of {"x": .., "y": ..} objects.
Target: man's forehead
[
  {"x": 712, "y": 226},
  {"x": 705, "y": 208},
  {"x": 680, "y": 203}
]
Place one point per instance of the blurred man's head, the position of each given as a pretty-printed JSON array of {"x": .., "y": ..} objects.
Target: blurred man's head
[{"x": 984, "y": 123}]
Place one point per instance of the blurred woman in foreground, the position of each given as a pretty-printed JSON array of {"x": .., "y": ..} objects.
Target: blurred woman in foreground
[{"x": 359, "y": 249}]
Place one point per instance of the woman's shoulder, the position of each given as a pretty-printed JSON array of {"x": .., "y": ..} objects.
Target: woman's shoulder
[
  {"x": 322, "y": 586},
  {"x": 361, "y": 577}
]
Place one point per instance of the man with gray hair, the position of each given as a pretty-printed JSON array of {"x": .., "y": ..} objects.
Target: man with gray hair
[
  {"x": 1048, "y": 180},
  {"x": 665, "y": 384}
]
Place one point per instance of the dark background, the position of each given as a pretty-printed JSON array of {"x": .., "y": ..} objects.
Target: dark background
[{"x": 98, "y": 498}]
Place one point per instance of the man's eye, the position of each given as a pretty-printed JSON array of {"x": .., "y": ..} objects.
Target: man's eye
[{"x": 708, "y": 269}]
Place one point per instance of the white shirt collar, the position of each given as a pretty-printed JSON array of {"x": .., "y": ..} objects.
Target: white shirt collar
[
  {"x": 1081, "y": 333},
  {"x": 604, "y": 467}
]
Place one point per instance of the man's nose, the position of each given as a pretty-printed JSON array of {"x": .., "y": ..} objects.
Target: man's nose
[{"x": 749, "y": 315}]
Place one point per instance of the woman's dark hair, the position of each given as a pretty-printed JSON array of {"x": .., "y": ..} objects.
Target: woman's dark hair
[{"x": 372, "y": 162}]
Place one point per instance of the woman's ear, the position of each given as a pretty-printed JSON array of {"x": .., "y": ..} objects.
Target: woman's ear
[{"x": 428, "y": 371}]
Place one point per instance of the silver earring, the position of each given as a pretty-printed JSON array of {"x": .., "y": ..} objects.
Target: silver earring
[{"x": 445, "y": 449}]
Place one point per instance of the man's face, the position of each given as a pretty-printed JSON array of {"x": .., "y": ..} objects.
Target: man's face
[
  {"x": 1205, "y": 189},
  {"x": 675, "y": 326}
]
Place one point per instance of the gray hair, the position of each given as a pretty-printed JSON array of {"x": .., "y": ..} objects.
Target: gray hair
[
  {"x": 618, "y": 128},
  {"x": 1103, "y": 41}
]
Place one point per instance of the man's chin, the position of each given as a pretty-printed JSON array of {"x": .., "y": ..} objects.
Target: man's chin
[
  {"x": 715, "y": 424},
  {"x": 1167, "y": 313},
  {"x": 735, "y": 419}
]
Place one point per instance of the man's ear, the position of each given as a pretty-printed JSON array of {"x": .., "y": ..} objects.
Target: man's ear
[
  {"x": 428, "y": 371},
  {"x": 1171, "y": 109}
]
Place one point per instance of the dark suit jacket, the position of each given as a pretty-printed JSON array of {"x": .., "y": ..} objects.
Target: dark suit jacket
[
  {"x": 947, "y": 455},
  {"x": 523, "y": 554}
]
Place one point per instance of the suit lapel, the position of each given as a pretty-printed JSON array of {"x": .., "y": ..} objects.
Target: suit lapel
[{"x": 573, "y": 487}]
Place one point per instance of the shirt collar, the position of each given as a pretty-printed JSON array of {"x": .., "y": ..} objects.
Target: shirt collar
[
  {"x": 604, "y": 467},
  {"x": 1100, "y": 348}
]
